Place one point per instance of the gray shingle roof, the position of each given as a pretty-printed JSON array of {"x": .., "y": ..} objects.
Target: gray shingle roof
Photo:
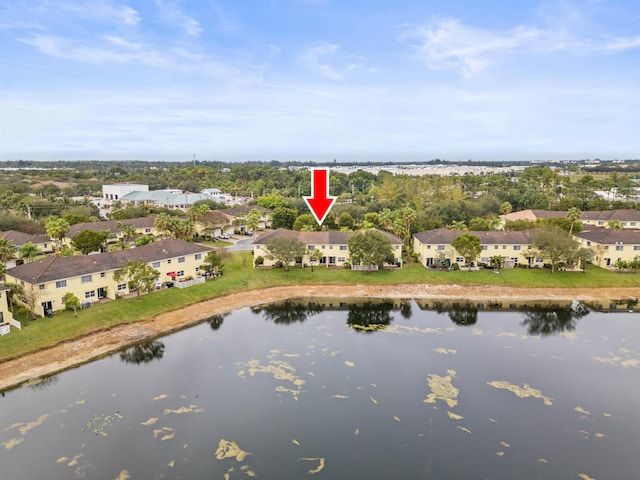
[
  {"x": 624, "y": 215},
  {"x": 610, "y": 236},
  {"x": 56, "y": 267},
  {"x": 20, "y": 238},
  {"x": 111, "y": 225},
  {"x": 444, "y": 236}
]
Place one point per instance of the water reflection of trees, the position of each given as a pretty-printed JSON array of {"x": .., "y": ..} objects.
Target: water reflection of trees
[
  {"x": 289, "y": 311},
  {"x": 551, "y": 321},
  {"x": 370, "y": 316},
  {"x": 143, "y": 352},
  {"x": 463, "y": 316},
  {"x": 215, "y": 321}
]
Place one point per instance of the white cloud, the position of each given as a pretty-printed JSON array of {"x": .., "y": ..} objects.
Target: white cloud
[
  {"x": 317, "y": 58},
  {"x": 447, "y": 44},
  {"x": 172, "y": 13}
]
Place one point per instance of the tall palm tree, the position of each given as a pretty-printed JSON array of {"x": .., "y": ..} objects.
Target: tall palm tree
[{"x": 573, "y": 215}]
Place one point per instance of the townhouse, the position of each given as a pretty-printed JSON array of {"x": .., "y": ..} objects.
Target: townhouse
[
  {"x": 91, "y": 277},
  {"x": 610, "y": 245},
  {"x": 6, "y": 318},
  {"x": 626, "y": 217},
  {"x": 434, "y": 248},
  {"x": 333, "y": 246},
  {"x": 142, "y": 226},
  {"x": 43, "y": 242}
]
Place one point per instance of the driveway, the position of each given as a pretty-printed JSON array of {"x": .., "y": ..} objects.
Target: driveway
[{"x": 242, "y": 245}]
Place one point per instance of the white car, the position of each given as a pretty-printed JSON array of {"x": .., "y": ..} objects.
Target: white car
[{"x": 224, "y": 236}]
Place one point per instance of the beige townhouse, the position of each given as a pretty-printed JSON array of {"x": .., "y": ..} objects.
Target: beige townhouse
[
  {"x": 141, "y": 225},
  {"x": 434, "y": 248},
  {"x": 332, "y": 245},
  {"x": 91, "y": 277},
  {"x": 627, "y": 218},
  {"x": 610, "y": 245}
]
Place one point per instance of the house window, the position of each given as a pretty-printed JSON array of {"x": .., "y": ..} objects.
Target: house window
[
  {"x": 169, "y": 261},
  {"x": 180, "y": 259},
  {"x": 636, "y": 247},
  {"x": 147, "y": 230},
  {"x": 330, "y": 247},
  {"x": 180, "y": 273},
  {"x": 61, "y": 283},
  {"x": 504, "y": 247},
  {"x": 86, "y": 278},
  {"x": 122, "y": 286},
  {"x": 343, "y": 247},
  {"x": 311, "y": 247},
  {"x": 633, "y": 224},
  {"x": 199, "y": 255},
  {"x": 441, "y": 247},
  {"x": 103, "y": 274},
  {"x": 496, "y": 247},
  {"x": 601, "y": 222},
  {"x": 619, "y": 248},
  {"x": 539, "y": 260},
  {"x": 459, "y": 259},
  {"x": 341, "y": 259},
  {"x": 484, "y": 247},
  {"x": 41, "y": 286},
  {"x": 90, "y": 294},
  {"x": 516, "y": 247},
  {"x": 428, "y": 247},
  {"x": 323, "y": 247},
  {"x": 155, "y": 265}
]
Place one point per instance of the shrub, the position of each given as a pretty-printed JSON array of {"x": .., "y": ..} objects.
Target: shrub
[
  {"x": 259, "y": 261},
  {"x": 346, "y": 265}
]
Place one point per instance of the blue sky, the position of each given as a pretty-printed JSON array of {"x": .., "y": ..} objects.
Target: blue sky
[{"x": 397, "y": 80}]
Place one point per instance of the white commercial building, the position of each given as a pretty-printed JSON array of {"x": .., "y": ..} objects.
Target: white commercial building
[{"x": 116, "y": 191}]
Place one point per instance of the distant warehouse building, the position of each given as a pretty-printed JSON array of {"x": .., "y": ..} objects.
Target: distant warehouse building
[{"x": 116, "y": 191}]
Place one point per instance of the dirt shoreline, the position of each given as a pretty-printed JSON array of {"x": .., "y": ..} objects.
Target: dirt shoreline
[{"x": 82, "y": 350}]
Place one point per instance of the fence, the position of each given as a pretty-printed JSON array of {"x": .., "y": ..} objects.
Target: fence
[
  {"x": 16, "y": 324},
  {"x": 189, "y": 283},
  {"x": 364, "y": 268}
]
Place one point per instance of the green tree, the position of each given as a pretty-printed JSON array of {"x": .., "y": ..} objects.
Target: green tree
[
  {"x": 57, "y": 228},
  {"x": 138, "y": 275},
  {"x": 71, "y": 302},
  {"x": 314, "y": 256},
  {"x": 505, "y": 208},
  {"x": 143, "y": 240},
  {"x": 468, "y": 246},
  {"x": 127, "y": 229},
  {"x": 213, "y": 263},
  {"x": 253, "y": 219},
  {"x": 306, "y": 223},
  {"x": 286, "y": 250},
  {"x": 345, "y": 221},
  {"x": 14, "y": 291},
  {"x": 283, "y": 217},
  {"x": 615, "y": 224},
  {"x": 88, "y": 241},
  {"x": 29, "y": 251},
  {"x": 7, "y": 250},
  {"x": 554, "y": 245},
  {"x": 497, "y": 262},
  {"x": 370, "y": 248}
]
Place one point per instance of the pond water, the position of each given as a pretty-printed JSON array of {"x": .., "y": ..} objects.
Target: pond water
[{"x": 357, "y": 391}]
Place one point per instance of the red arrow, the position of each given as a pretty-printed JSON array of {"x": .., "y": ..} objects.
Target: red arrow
[{"x": 320, "y": 202}]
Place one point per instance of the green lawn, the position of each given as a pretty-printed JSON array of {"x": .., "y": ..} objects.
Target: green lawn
[{"x": 239, "y": 276}]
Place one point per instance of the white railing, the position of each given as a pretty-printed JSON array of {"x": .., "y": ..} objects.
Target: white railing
[
  {"x": 16, "y": 324},
  {"x": 189, "y": 283},
  {"x": 364, "y": 268}
]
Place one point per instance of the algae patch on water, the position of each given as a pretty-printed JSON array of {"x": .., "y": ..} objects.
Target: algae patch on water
[
  {"x": 442, "y": 389},
  {"x": 227, "y": 449},
  {"x": 189, "y": 409},
  {"x": 523, "y": 391},
  {"x": 124, "y": 475},
  {"x": 279, "y": 369},
  {"x": 8, "y": 445},
  {"x": 25, "y": 427},
  {"x": 445, "y": 351}
]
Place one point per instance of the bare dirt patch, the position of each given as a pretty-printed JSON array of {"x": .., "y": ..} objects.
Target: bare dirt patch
[{"x": 81, "y": 350}]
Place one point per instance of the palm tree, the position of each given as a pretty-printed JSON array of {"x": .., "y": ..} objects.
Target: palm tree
[
  {"x": 7, "y": 250},
  {"x": 573, "y": 215},
  {"x": 29, "y": 251},
  {"x": 14, "y": 290}
]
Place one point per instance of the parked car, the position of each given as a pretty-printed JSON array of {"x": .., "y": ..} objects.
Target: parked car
[{"x": 224, "y": 236}]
